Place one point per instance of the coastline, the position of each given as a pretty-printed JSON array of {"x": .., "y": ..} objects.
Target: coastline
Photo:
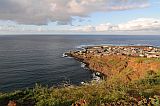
[
  {"x": 96, "y": 76},
  {"x": 96, "y": 59},
  {"x": 129, "y": 81}
]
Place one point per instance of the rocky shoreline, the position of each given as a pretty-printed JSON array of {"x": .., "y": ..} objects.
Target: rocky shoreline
[
  {"x": 96, "y": 75},
  {"x": 112, "y": 61}
]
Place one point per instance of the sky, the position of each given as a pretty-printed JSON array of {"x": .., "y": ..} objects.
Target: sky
[{"x": 139, "y": 17}]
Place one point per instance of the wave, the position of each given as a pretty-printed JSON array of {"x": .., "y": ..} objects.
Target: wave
[{"x": 66, "y": 56}]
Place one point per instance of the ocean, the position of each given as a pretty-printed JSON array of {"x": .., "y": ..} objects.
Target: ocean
[{"x": 29, "y": 59}]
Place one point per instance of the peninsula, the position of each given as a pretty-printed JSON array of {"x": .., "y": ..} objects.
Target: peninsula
[{"x": 126, "y": 63}]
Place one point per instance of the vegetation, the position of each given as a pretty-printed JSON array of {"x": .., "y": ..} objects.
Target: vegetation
[
  {"x": 134, "y": 81},
  {"x": 103, "y": 93},
  {"x": 147, "y": 60}
]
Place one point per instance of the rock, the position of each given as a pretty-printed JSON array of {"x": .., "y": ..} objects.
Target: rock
[
  {"x": 12, "y": 103},
  {"x": 81, "y": 102}
]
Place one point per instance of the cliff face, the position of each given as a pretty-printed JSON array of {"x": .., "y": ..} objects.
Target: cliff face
[{"x": 119, "y": 67}]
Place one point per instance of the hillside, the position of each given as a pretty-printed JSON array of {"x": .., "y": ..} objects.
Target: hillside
[
  {"x": 120, "y": 62},
  {"x": 124, "y": 68}
]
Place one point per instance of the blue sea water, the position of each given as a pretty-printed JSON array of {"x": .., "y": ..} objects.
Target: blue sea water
[{"x": 29, "y": 59}]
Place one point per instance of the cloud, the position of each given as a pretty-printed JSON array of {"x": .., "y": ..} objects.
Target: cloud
[
  {"x": 141, "y": 24},
  {"x": 87, "y": 28},
  {"x": 138, "y": 26},
  {"x": 40, "y": 12}
]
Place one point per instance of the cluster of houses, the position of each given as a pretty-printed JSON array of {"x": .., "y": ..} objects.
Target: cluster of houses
[{"x": 136, "y": 51}]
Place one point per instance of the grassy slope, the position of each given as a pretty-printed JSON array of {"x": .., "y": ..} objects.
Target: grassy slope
[
  {"x": 93, "y": 94},
  {"x": 110, "y": 91},
  {"x": 123, "y": 68}
]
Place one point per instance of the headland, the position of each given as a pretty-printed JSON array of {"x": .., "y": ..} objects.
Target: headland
[{"x": 125, "y": 63}]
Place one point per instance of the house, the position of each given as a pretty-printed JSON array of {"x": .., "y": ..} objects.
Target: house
[{"x": 153, "y": 55}]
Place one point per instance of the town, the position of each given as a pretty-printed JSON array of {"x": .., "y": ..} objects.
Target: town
[{"x": 134, "y": 51}]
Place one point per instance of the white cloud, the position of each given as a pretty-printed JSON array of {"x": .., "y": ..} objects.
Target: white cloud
[
  {"x": 106, "y": 27},
  {"x": 87, "y": 28},
  {"x": 141, "y": 24},
  {"x": 138, "y": 26},
  {"x": 61, "y": 11}
]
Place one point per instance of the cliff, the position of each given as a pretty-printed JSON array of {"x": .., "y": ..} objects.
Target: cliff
[{"x": 120, "y": 67}]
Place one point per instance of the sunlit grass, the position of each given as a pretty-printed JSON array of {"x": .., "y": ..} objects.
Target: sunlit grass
[{"x": 95, "y": 93}]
